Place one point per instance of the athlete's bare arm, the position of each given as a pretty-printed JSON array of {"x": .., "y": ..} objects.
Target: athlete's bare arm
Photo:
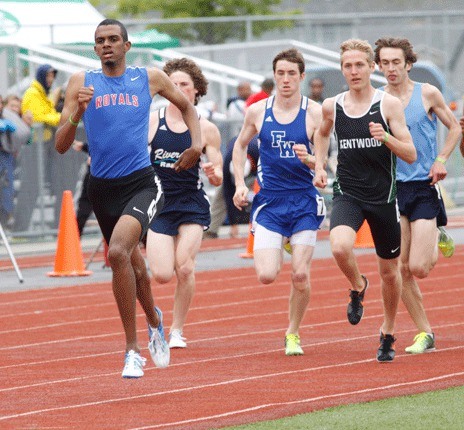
[
  {"x": 401, "y": 144},
  {"x": 76, "y": 100},
  {"x": 313, "y": 122},
  {"x": 251, "y": 126},
  {"x": 322, "y": 142},
  {"x": 212, "y": 144},
  {"x": 435, "y": 101},
  {"x": 162, "y": 85}
]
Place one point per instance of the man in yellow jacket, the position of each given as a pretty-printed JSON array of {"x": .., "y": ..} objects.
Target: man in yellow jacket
[{"x": 36, "y": 98}]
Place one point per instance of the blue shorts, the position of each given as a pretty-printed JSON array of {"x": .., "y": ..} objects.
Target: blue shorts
[
  {"x": 191, "y": 207},
  {"x": 420, "y": 200},
  {"x": 288, "y": 212}
]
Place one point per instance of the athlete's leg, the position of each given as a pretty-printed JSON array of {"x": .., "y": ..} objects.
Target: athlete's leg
[
  {"x": 187, "y": 245},
  {"x": 267, "y": 254},
  {"x": 412, "y": 246},
  {"x": 301, "y": 288},
  {"x": 390, "y": 281},
  {"x": 342, "y": 239},
  {"x": 144, "y": 291},
  {"x": 124, "y": 240},
  {"x": 423, "y": 253},
  {"x": 160, "y": 255}
]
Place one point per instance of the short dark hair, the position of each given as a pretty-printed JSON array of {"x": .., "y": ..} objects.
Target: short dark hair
[
  {"x": 188, "y": 66},
  {"x": 124, "y": 35},
  {"x": 267, "y": 85},
  {"x": 293, "y": 56},
  {"x": 396, "y": 42}
]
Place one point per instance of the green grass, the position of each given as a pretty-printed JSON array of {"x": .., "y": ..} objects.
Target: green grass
[{"x": 437, "y": 410}]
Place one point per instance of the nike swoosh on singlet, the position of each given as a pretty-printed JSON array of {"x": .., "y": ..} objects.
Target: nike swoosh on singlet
[
  {"x": 372, "y": 113},
  {"x": 138, "y": 210},
  {"x": 136, "y": 77}
]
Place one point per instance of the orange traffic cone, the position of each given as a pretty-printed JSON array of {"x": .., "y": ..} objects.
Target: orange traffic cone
[
  {"x": 68, "y": 258},
  {"x": 251, "y": 238},
  {"x": 249, "y": 247},
  {"x": 364, "y": 237}
]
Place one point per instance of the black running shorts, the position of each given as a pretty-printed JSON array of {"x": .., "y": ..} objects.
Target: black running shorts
[
  {"x": 383, "y": 220},
  {"x": 139, "y": 194}
]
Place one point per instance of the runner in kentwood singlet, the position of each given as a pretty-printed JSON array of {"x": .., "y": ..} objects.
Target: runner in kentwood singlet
[
  {"x": 371, "y": 132},
  {"x": 123, "y": 188}
]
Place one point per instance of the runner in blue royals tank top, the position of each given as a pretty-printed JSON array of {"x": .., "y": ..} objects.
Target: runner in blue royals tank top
[
  {"x": 371, "y": 132},
  {"x": 419, "y": 198},
  {"x": 178, "y": 229},
  {"x": 125, "y": 193},
  {"x": 287, "y": 207}
]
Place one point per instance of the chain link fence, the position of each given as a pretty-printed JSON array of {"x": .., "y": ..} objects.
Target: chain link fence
[{"x": 250, "y": 44}]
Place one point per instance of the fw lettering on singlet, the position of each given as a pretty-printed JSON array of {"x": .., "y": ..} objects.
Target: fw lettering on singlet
[{"x": 285, "y": 146}]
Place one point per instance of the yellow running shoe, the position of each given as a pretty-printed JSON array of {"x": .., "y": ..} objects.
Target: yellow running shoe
[
  {"x": 445, "y": 243},
  {"x": 292, "y": 345},
  {"x": 288, "y": 248},
  {"x": 423, "y": 342}
]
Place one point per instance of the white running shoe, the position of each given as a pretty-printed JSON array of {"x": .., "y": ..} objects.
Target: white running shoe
[
  {"x": 176, "y": 340},
  {"x": 159, "y": 348},
  {"x": 133, "y": 365}
]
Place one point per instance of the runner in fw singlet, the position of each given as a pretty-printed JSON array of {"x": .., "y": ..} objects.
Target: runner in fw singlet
[
  {"x": 366, "y": 168},
  {"x": 287, "y": 201}
]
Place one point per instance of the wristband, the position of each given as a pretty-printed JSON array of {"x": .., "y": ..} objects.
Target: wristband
[
  {"x": 385, "y": 139},
  {"x": 440, "y": 160},
  {"x": 75, "y": 124}
]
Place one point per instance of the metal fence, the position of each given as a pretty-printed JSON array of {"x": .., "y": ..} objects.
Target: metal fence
[{"x": 250, "y": 44}]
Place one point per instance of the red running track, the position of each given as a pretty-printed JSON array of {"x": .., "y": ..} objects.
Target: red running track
[{"x": 61, "y": 353}]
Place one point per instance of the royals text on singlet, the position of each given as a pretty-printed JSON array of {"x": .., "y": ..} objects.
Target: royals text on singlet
[
  {"x": 166, "y": 148},
  {"x": 116, "y": 122},
  {"x": 366, "y": 168},
  {"x": 279, "y": 168}
]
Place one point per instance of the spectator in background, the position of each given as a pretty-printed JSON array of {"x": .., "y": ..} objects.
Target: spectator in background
[
  {"x": 14, "y": 133},
  {"x": 36, "y": 98},
  {"x": 316, "y": 90},
  {"x": 234, "y": 215},
  {"x": 236, "y": 104},
  {"x": 461, "y": 146},
  {"x": 84, "y": 207},
  {"x": 266, "y": 90},
  {"x": 219, "y": 208}
]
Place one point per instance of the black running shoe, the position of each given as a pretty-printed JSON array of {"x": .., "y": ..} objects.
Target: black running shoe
[
  {"x": 355, "y": 309},
  {"x": 386, "y": 351}
]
